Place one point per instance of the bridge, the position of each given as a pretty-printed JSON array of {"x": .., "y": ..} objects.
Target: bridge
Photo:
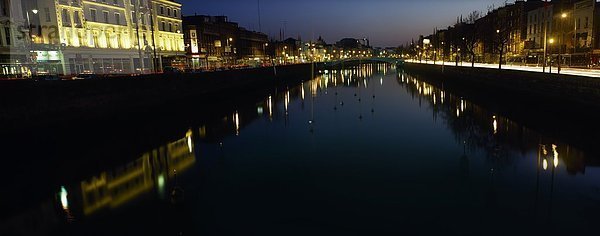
[{"x": 359, "y": 60}]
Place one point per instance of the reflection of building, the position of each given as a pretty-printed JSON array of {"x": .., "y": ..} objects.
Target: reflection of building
[
  {"x": 214, "y": 41},
  {"x": 154, "y": 168},
  {"x": 104, "y": 37},
  {"x": 13, "y": 28}
]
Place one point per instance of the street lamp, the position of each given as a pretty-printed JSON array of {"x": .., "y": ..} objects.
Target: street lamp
[{"x": 562, "y": 39}]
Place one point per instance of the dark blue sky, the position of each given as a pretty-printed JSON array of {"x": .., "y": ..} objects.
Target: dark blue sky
[{"x": 385, "y": 22}]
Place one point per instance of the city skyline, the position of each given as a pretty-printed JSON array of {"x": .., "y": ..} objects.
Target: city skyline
[{"x": 386, "y": 23}]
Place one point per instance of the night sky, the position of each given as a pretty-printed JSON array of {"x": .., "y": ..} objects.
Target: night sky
[{"x": 384, "y": 22}]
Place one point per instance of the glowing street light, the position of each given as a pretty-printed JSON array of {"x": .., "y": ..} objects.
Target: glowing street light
[{"x": 564, "y": 15}]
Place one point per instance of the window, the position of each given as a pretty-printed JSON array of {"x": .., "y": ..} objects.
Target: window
[
  {"x": 163, "y": 26},
  {"x": 133, "y": 17},
  {"x": 93, "y": 15},
  {"x": 76, "y": 18},
  {"x": 177, "y": 28},
  {"x": 105, "y": 16},
  {"x": 66, "y": 19},
  {"x": 174, "y": 12},
  {"x": 47, "y": 10},
  {"x": 4, "y": 5},
  {"x": 587, "y": 21},
  {"x": 168, "y": 11},
  {"x": 142, "y": 19},
  {"x": 162, "y": 10},
  {"x": 117, "y": 18},
  {"x": 578, "y": 23},
  {"x": 170, "y": 27},
  {"x": 7, "y": 34}
]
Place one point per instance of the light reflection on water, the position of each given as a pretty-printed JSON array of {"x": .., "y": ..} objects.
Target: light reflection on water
[{"x": 367, "y": 149}]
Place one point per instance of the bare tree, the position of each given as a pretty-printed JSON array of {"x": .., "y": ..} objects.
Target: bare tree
[{"x": 469, "y": 32}]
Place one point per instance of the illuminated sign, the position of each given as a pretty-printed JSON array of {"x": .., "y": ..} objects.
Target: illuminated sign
[
  {"x": 48, "y": 55},
  {"x": 194, "y": 41}
]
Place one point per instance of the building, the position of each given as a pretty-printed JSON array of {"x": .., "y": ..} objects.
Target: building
[
  {"x": 107, "y": 36},
  {"x": 539, "y": 28},
  {"x": 14, "y": 41},
  {"x": 251, "y": 47},
  {"x": 215, "y": 42}
]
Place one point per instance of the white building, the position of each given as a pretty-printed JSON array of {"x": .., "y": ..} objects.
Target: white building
[
  {"x": 539, "y": 21},
  {"x": 584, "y": 20},
  {"x": 107, "y": 36}
]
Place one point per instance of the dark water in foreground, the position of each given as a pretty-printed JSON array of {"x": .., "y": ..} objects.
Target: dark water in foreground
[{"x": 364, "y": 151}]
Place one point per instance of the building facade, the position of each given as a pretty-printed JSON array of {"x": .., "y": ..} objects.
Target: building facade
[
  {"x": 216, "y": 42},
  {"x": 107, "y": 36}
]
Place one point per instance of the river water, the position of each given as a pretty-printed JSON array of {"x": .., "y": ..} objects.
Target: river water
[{"x": 362, "y": 151}]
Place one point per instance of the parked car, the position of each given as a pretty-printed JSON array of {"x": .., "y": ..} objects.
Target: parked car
[{"x": 171, "y": 70}]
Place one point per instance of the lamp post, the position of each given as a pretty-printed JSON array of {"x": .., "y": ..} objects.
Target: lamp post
[
  {"x": 501, "y": 49},
  {"x": 30, "y": 28},
  {"x": 265, "y": 45},
  {"x": 551, "y": 42},
  {"x": 229, "y": 41},
  {"x": 562, "y": 39},
  {"x": 443, "y": 55}
]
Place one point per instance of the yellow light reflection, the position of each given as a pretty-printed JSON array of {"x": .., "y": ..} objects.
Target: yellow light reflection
[
  {"x": 287, "y": 100},
  {"x": 495, "y": 123},
  {"x": 545, "y": 164},
  {"x": 190, "y": 142},
  {"x": 555, "y": 154},
  {"x": 269, "y": 104},
  {"x": 236, "y": 119}
]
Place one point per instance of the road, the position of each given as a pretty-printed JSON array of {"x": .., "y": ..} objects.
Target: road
[{"x": 567, "y": 71}]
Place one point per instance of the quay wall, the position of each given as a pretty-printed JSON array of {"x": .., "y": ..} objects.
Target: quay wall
[{"x": 27, "y": 103}]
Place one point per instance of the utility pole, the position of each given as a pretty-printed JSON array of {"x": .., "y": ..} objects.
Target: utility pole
[
  {"x": 259, "y": 23},
  {"x": 545, "y": 45}
]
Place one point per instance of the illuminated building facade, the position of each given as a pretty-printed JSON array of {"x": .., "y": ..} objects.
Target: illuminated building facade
[{"x": 107, "y": 36}]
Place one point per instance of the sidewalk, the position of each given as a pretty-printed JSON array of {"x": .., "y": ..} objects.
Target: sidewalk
[{"x": 567, "y": 71}]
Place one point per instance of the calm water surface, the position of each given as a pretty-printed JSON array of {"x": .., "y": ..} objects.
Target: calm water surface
[{"x": 362, "y": 151}]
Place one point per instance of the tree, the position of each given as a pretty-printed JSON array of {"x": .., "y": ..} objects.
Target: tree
[
  {"x": 469, "y": 30},
  {"x": 502, "y": 25}
]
